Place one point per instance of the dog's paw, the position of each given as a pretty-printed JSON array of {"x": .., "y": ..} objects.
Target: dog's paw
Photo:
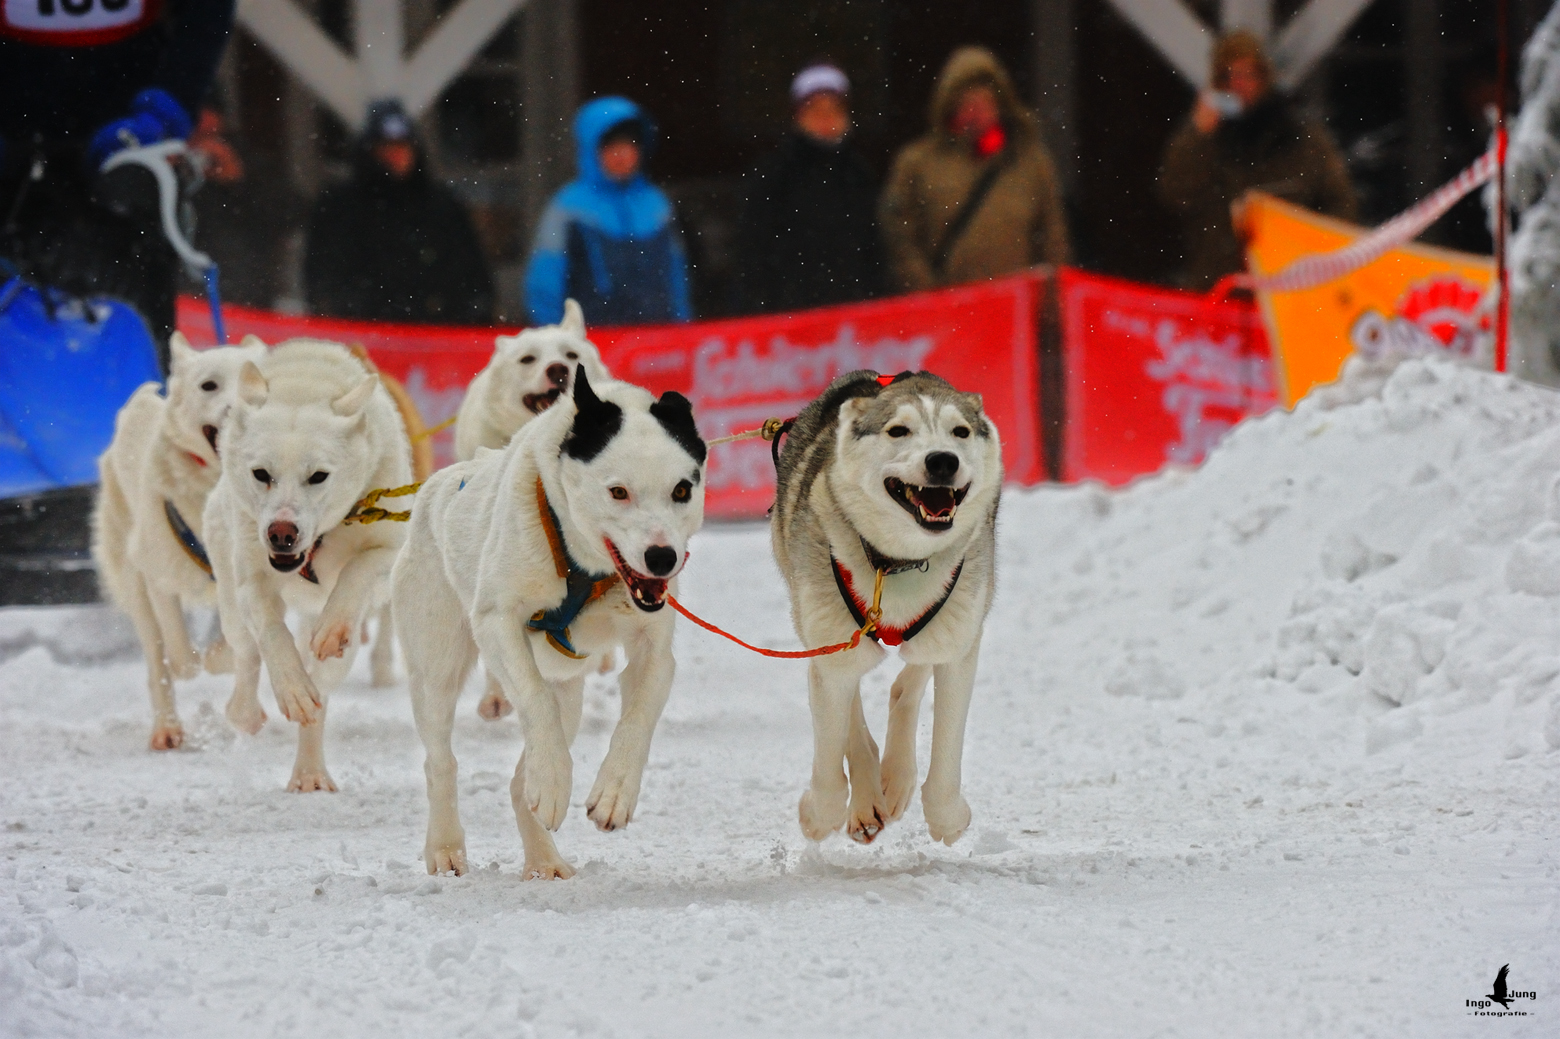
[
  {"x": 546, "y": 869},
  {"x": 898, "y": 786},
  {"x": 245, "y": 713},
  {"x": 612, "y": 801},
  {"x": 947, "y": 816},
  {"x": 866, "y": 822},
  {"x": 309, "y": 780},
  {"x": 549, "y": 779},
  {"x": 494, "y": 705},
  {"x": 331, "y": 639},
  {"x": 446, "y": 859},
  {"x": 821, "y": 815},
  {"x": 297, "y": 698},
  {"x": 218, "y": 658},
  {"x": 167, "y": 736}
]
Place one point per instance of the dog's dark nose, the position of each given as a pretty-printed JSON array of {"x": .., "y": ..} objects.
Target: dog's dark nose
[
  {"x": 558, "y": 375},
  {"x": 660, "y": 559},
  {"x": 283, "y": 536},
  {"x": 942, "y": 466}
]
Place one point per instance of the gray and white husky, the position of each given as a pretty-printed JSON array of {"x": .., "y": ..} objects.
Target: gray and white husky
[
  {"x": 561, "y": 546},
  {"x": 898, "y": 478}
]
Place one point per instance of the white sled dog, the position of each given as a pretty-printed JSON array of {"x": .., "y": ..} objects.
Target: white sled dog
[
  {"x": 526, "y": 375},
  {"x": 312, "y": 433},
  {"x": 895, "y": 481},
  {"x": 146, "y": 530},
  {"x": 562, "y": 545}
]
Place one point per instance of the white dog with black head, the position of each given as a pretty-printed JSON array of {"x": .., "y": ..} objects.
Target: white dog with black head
[
  {"x": 146, "y": 529},
  {"x": 312, "y": 434},
  {"x": 561, "y": 546},
  {"x": 893, "y": 481}
]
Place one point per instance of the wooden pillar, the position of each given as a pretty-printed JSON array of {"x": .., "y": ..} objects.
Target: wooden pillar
[
  {"x": 1056, "y": 72},
  {"x": 1422, "y": 87}
]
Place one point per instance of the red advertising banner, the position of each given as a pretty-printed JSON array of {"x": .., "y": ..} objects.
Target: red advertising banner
[
  {"x": 982, "y": 338},
  {"x": 1154, "y": 375}
]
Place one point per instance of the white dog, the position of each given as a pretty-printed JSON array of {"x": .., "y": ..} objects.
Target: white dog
[
  {"x": 146, "y": 529},
  {"x": 311, "y": 435},
  {"x": 536, "y": 557},
  {"x": 526, "y": 374},
  {"x": 895, "y": 481}
]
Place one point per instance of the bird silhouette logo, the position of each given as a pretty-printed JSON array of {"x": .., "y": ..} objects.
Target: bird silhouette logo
[{"x": 1498, "y": 991}]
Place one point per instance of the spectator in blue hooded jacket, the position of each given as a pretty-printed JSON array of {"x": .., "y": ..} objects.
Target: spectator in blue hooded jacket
[{"x": 608, "y": 238}]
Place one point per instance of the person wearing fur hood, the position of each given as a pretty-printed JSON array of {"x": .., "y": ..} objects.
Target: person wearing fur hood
[
  {"x": 977, "y": 196},
  {"x": 1243, "y": 135}
]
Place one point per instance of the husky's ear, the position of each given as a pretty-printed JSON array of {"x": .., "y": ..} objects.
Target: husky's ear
[
  {"x": 352, "y": 402},
  {"x": 852, "y": 408},
  {"x": 252, "y": 340},
  {"x": 505, "y": 344},
  {"x": 974, "y": 402},
  {"x": 252, "y": 387},
  {"x": 573, "y": 319},
  {"x": 675, "y": 414},
  {"x": 180, "y": 352},
  {"x": 596, "y": 421}
]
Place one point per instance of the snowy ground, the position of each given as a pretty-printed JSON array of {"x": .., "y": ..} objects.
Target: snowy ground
[{"x": 1265, "y": 749}]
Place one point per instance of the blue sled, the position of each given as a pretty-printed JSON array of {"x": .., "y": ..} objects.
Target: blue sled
[{"x": 67, "y": 366}]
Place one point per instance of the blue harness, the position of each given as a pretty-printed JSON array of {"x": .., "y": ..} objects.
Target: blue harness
[
  {"x": 581, "y": 586},
  {"x": 187, "y": 539}
]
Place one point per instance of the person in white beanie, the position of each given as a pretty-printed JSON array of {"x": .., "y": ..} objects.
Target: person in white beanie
[{"x": 808, "y": 236}]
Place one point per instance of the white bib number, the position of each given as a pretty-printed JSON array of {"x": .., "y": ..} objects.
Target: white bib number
[{"x": 62, "y": 17}]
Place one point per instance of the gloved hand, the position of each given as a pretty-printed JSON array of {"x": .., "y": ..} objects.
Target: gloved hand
[{"x": 154, "y": 116}]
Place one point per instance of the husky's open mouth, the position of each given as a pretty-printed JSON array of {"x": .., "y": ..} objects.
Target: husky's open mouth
[
  {"x": 536, "y": 403},
  {"x": 932, "y": 507},
  {"x": 210, "y": 433},
  {"x": 648, "y": 593},
  {"x": 287, "y": 564}
]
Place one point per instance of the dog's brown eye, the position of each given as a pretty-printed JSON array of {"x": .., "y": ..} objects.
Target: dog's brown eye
[
  {"x": 319, "y": 477},
  {"x": 898, "y": 431},
  {"x": 683, "y": 491},
  {"x": 571, "y": 355},
  {"x": 528, "y": 359},
  {"x": 210, "y": 385},
  {"x": 962, "y": 432},
  {"x": 261, "y": 475},
  {"x": 620, "y": 493}
]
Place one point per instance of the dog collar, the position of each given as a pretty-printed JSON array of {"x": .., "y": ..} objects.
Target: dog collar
[
  {"x": 306, "y": 571},
  {"x": 581, "y": 587},
  {"x": 185, "y": 535},
  {"x": 882, "y": 632},
  {"x": 891, "y": 566}
]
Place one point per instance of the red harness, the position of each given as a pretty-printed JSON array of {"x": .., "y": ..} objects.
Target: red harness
[{"x": 883, "y": 633}]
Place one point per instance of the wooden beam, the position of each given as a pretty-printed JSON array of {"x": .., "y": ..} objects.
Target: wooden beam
[
  {"x": 1253, "y": 15},
  {"x": 454, "y": 41},
  {"x": 380, "y": 43},
  {"x": 1312, "y": 32},
  {"x": 308, "y": 53}
]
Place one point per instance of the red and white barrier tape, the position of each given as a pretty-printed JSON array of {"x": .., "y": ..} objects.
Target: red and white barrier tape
[{"x": 1310, "y": 271}]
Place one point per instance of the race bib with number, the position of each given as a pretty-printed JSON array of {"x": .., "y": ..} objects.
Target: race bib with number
[{"x": 75, "y": 23}]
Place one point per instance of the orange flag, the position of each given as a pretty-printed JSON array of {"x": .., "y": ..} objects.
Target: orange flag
[{"x": 1414, "y": 299}]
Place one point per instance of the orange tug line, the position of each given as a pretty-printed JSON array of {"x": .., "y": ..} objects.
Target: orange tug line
[{"x": 867, "y": 627}]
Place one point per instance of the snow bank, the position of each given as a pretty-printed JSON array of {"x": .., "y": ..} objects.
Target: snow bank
[{"x": 1259, "y": 749}]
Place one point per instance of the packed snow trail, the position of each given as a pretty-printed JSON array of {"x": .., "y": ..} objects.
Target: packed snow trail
[{"x": 1268, "y": 748}]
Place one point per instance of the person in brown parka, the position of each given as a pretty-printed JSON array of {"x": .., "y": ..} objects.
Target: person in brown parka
[
  {"x": 978, "y": 128},
  {"x": 1242, "y": 135}
]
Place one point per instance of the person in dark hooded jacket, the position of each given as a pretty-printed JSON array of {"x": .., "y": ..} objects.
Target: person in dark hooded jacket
[
  {"x": 809, "y": 236},
  {"x": 608, "y": 238},
  {"x": 392, "y": 243},
  {"x": 1242, "y": 136}
]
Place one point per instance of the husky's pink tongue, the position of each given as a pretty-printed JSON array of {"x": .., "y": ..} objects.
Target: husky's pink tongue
[{"x": 937, "y": 501}]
